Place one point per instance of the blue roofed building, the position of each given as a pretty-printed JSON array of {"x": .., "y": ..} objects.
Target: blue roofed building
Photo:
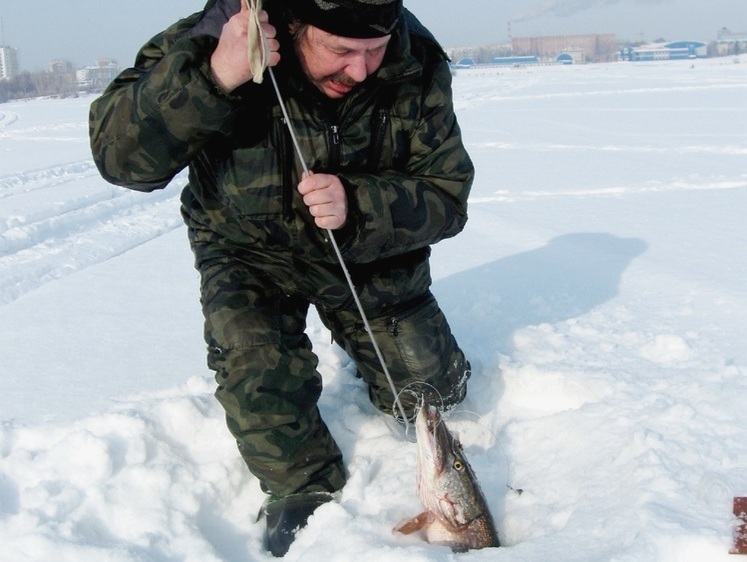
[{"x": 665, "y": 51}]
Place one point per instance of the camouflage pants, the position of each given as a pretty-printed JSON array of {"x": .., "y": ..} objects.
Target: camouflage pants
[{"x": 267, "y": 377}]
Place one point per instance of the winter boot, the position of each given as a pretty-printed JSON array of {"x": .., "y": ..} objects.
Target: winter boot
[{"x": 285, "y": 516}]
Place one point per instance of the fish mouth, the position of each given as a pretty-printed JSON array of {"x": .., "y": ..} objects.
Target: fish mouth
[{"x": 432, "y": 436}]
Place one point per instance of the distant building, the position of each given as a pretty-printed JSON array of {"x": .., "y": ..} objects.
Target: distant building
[
  {"x": 516, "y": 61},
  {"x": 726, "y": 35},
  {"x": 465, "y": 62},
  {"x": 669, "y": 51},
  {"x": 479, "y": 55},
  {"x": 731, "y": 43},
  {"x": 98, "y": 76},
  {"x": 8, "y": 62},
  {"x": 584, "y": 48},
  {"x": 60, "y": 66}
]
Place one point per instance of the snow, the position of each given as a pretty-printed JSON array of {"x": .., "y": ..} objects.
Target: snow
[{"x": 599, "y": 290}]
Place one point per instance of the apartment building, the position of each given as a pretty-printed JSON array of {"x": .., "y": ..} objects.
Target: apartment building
[{"x": 8, "y": 62}]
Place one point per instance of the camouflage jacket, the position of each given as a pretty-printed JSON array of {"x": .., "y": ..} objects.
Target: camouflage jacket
[{"x": 394, "y": 142}]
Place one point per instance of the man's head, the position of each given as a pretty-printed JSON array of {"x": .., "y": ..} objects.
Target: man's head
[{"x": 340, "y": 43}]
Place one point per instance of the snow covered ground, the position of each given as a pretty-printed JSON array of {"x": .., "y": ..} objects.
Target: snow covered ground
[{"x": 599, "y": 289}]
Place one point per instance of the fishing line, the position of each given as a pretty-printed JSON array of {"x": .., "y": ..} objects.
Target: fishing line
[
  {"x": 259, "y": 62},
  {"x": 420, "y": 397}
]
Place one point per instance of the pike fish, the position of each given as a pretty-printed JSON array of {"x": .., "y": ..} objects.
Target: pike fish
[{"x": 456, "y": 514}]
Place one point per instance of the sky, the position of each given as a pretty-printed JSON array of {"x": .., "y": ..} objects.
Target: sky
[{"x": 83, "y": 30}]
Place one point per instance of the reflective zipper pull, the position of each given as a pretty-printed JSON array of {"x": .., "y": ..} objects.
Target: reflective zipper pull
[{"x": 335, "y": 148}]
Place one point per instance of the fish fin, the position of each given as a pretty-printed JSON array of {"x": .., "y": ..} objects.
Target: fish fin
[{"x": 414, "y": 524}]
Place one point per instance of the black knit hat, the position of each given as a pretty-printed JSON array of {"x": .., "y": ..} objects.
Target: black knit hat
[{"x": 350, "y": 18}]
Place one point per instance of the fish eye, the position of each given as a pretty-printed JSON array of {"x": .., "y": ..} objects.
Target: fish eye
[{"x": 458, "y": 465}]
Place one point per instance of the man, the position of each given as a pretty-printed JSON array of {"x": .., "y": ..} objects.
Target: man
[{"x": 368, "y": 95}]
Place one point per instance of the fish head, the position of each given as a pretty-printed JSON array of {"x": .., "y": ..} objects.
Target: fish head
[{"x": 446, "y": 483}]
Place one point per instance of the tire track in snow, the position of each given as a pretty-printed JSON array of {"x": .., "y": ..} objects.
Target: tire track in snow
[
  {"x": 703, "y": 149},
  {"x": 91, "y": 224},
  {"x": 46, "y": 178},
  {"x": 7, "y": 118},
  {"x": 65, "y": 218},
  {"x": 505, "y": 196}
]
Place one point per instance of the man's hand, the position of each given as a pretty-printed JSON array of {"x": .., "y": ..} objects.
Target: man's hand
[
  {"x": 229, "y": 62},
  {"x": 325, "y": 197}
]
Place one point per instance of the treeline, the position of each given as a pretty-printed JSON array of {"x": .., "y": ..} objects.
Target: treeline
[{"x": 34, "y": 84}]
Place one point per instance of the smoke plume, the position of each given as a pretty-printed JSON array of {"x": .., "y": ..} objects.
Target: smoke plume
[{"x": 564, "y": 8}]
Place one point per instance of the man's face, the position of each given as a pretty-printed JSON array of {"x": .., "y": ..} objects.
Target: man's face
[{"x": 337, "y": 64}]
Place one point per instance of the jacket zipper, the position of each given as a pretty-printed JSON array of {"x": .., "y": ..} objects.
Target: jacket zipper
[
  {"x": 286, "y": 169},
  {"x": 335, "y": 153},
  {"x": 377, "y": 141},
  {"x": 414, "y": 307}
]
